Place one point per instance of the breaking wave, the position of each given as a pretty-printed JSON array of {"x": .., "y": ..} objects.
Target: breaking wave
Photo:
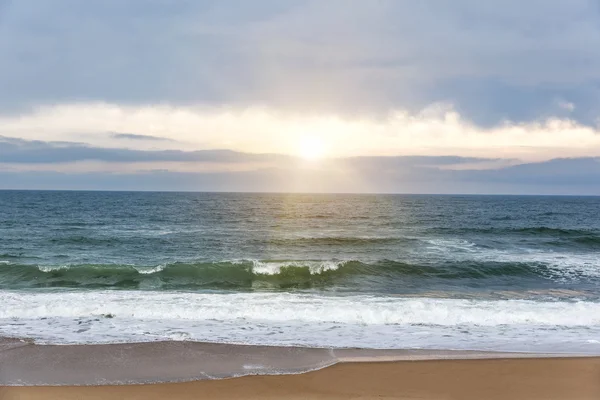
[
  {"x": 301, "y": 319},
  {"x": 274, "y": 274}
]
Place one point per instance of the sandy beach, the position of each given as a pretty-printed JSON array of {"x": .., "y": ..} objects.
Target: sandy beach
[{"x": 551, "y": 378}]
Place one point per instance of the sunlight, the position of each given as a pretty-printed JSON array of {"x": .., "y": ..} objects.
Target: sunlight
[{"x": 311, "y": 148}]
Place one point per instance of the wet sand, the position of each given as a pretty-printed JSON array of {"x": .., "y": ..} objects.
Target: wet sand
[
  {"x": 24, "y": 363},
  {"x": 545, "y": 378},
  {"x": 225, "y": 371}
]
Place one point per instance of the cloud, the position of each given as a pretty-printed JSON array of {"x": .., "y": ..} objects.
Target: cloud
[
  {"x": 344, "y": 57},
  {"x": 565, "y": 105},
  {"x": 535, "y": 178},
  {"x": 204, "y": 91},
  {"x": 133, "y": 136},
  {"x": 19, "y": 151},
  {"x": 436, "y": 130},
  {"x": 63, "y": 165},
  {"x": 568, "y": 170}
]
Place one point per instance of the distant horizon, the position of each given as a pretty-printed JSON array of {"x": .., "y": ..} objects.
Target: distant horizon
[
  {"x": 303, "y": 193},
  {"x": 37, "y": 164}
]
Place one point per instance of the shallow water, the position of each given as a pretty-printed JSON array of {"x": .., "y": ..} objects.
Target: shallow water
[{"x": 23, "y": 363}]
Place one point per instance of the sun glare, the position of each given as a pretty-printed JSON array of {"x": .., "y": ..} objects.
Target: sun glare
[{"x": 311, "y": 148}]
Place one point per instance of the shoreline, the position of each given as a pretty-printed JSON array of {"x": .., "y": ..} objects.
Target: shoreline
[
  {"x": 24, "y": 363},
  {"x": 490, "y": 379}
]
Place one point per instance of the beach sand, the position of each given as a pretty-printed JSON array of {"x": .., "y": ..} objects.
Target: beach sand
[{"x": 533, "y": 378}]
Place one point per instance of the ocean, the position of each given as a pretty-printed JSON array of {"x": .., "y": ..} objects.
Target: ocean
[{"x": 490, "y": 273}]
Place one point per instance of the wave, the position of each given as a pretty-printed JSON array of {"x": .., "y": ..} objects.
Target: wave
[
  {"x": 220, "y": 275},
  {"x": 10, "y": 256},
  {"x": 555, "y": 231},
  {"x": 535, "y": 230},
  {"x": 84, "y": 240},
  {"x": 273, "y": 274},
  {"x": 360, "y": 309},
  {"x": 588, "y": 240},
  {"x": 579, "y": 238},
  {"x": 152, "y": 238},
  {"x": 284, "y": 241},
  {"x": 341, "y": 240},
  {"x": 301, "y": 319}
]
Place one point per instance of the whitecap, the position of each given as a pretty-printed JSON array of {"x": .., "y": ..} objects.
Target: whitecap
[
  {"x": 275, "y": 268},
  {"x": 150, "y": 270}
]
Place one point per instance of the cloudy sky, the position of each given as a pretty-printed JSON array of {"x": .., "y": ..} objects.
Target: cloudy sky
[{"x": 433, "y": 96}]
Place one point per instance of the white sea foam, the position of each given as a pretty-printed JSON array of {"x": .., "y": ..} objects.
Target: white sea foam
[
  {"x": 275, "y": 268},
  {"x": 557, "y": 265},
  {"x": 362, "y": 310},
  {"x": 302, "y": 319},
  {"x": 151, "y": 270},
  {"x": 560, "y": 266},
  {"x": 50, "y": 268},
  {"x": 452, "y": 244}
]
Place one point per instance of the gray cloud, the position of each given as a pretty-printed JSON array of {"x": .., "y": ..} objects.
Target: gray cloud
[
  {"x": 504, "y": 181},
  {"x": 493, "y": 60},
  {"x": 409, "y": 174},
  {"x": 567, "y": 171},
  {"x": 20, "y": 151}
]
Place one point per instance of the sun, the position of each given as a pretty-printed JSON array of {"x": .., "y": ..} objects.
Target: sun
[{"x": 311, "y": 148}]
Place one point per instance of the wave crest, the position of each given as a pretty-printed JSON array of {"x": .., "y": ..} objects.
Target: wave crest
[
  {"x": 277, "y": 268},
  {"x": 282, "y": 274}
]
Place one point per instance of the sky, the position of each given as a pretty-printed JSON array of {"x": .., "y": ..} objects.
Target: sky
[{"x": 394, "y": 96}]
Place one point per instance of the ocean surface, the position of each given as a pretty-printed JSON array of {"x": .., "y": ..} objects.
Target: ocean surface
[{"x": 499, "y": 273}]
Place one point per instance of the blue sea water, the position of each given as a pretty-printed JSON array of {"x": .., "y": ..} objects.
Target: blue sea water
[{"x": 510, "y": 273}]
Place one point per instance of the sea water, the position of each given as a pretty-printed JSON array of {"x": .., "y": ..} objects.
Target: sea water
[{"x": 496, "y": 273}]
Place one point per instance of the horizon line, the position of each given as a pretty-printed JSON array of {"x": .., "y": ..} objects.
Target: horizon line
[{"x": 303, "y": 193}]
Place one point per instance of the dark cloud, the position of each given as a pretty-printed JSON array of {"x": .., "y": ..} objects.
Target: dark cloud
[{"x": 493, "y": 60}]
